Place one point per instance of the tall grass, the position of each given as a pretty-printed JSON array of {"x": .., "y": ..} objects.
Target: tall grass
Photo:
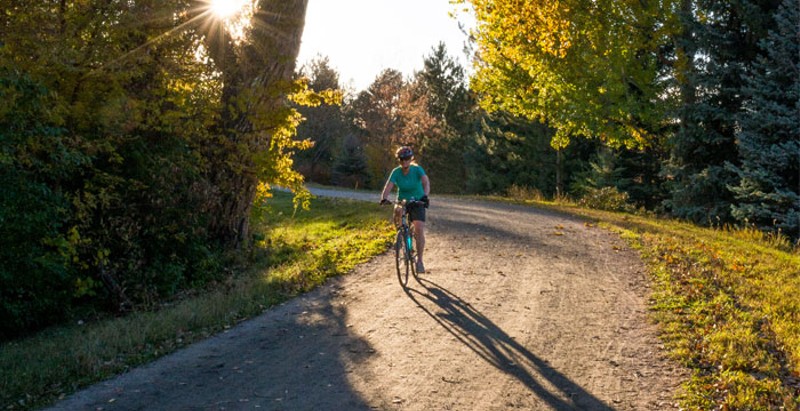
[{"x": 295, "y": 253}]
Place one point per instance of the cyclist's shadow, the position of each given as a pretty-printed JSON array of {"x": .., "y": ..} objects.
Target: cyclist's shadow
[{"x": 496, "y": 347}]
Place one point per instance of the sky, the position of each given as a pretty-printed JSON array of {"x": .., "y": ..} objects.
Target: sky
[{"x": 361, "y": 38}]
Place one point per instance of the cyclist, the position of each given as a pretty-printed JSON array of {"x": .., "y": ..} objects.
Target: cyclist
[{"x": 412, "y": 184}]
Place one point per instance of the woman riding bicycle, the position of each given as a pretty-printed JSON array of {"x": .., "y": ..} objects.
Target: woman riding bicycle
[{"x": 412, "y": 184}]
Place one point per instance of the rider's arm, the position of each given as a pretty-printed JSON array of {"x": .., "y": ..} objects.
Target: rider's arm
[
  {"x": 387, "y": 189},
  {"x": 426, "y": 184}
]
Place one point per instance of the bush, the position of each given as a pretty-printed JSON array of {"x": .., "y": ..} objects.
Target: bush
[
  {"x": 606, "y": 198},
  {"x": 36, "y": 279},
  {"x": 524, "y": 193}
]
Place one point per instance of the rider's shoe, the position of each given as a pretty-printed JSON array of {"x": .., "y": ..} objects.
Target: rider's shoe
[{"x": 420, "y": 267}]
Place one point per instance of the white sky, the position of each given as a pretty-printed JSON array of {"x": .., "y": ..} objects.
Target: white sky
[{"x": 363, "y": 37}]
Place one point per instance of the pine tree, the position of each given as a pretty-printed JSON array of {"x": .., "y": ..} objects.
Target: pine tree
[
  {"x": 443, "y": 82},
  {"x": 511, "y": 151},
  {"x": 769, "y": 141}
]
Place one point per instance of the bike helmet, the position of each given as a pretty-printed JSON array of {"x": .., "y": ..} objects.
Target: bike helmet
[{"x": 404, "y": 153}]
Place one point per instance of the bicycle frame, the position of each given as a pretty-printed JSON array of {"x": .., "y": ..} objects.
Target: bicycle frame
[{"x": 405, "y": 252}]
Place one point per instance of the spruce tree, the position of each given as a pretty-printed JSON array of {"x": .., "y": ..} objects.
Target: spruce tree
[
  {"x": 769, "y": 140},
  {"x": 725, "y": 39}
]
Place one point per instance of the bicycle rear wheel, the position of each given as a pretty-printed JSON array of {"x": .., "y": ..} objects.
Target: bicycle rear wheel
[{"x": 401, "y": 257}]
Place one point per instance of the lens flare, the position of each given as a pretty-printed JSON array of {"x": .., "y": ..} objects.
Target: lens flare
[{"x": 227, "y": 9}]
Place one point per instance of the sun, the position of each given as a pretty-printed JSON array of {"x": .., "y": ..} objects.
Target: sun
[
  {"x": 232, "y": 16},
  {"x": 227, "y": 9}
]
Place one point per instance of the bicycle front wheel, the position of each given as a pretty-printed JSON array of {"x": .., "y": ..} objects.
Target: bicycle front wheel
[{"x": 401, "y": 257}]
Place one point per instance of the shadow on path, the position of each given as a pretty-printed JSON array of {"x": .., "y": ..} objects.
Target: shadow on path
[{"x": 499, "y": 349}]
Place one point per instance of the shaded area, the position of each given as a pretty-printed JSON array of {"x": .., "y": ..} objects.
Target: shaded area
[
  {"x": 297, "y": 357},
  {"x": 497, "y": 348}
]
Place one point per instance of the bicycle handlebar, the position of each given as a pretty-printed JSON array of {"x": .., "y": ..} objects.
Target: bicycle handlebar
[{"x": 401, "y": 202}]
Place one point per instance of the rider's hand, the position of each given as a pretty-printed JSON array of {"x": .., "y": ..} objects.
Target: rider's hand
[
  {"x": 425, "y": 200},
  {"x": 385, "y": 201}
]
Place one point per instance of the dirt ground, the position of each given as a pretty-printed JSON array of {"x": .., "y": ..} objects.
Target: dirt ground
[{"x": 520, "y": 309}]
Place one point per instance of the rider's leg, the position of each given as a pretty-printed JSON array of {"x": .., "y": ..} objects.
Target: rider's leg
[{"x": 419, "y": 233}]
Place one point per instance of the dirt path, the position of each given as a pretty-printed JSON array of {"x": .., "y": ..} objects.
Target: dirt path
[{"x": 520, "y": 309}]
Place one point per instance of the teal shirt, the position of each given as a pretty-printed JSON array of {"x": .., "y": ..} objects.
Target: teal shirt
[{"x": 410, "y": 185}]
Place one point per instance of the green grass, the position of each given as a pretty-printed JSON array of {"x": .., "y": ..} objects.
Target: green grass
[
  {"x": 727, "y": 302},
  {"x": 295, "y": 253}
]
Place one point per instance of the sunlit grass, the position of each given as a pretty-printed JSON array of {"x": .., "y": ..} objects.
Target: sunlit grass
[
  {"x": 727, "y": 301},
  {"x": 296, "y": 252}
]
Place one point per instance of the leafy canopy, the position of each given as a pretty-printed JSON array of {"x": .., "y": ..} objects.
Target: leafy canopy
[{"x": 587, "y": 68}]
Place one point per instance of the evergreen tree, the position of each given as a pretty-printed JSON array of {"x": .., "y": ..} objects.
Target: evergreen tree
[
  {"x": 769, "y": 141},
  {"x": 449, "y": 102},
  {"x": 324, "y": 125},
  {"x": 603, "y": 171},
  {"x": 350, "y": 168},
  {"x": 510, "y": 151},
  {"x": 725, "y": 36}
]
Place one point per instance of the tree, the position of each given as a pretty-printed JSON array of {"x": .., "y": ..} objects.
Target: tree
[
  {"x": 377, "y": 116},
  {"x": 120, "y": 173},
  {"x": 588, "y": 69},
  {"x": 768, "y": 142},
  {"x": 511, "y": 151},
  {"x": 36, "y": 159},
  {"x": 455, "y": 113},
  {"x": 350, "y": 168},
  {"x": 152, "y": 135},
  {"x": 324, "y": 125},
  {"x": 256, "y": 122},
  {"x": 724, "y": 38}
]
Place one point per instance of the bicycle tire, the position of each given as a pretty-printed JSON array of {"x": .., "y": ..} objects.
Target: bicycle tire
[{"x": 401, "y": 258}]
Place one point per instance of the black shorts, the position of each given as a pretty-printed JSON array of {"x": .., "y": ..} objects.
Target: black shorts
[{"x": 416, "y": 212}]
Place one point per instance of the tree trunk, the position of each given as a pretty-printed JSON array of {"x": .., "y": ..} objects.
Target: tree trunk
[{"x": 257, "y": 73}]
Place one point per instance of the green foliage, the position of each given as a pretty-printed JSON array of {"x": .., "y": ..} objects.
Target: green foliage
[
  {"x": 350, "y": 169},
  {"x": 449, "y": 102},
  {"x": 324, "y": 125},
  {"x": 126, "y": 155},
  {"x": 296, "y": 252},
  {"x": 588, "y": 69},
  {"x": 632, "y": 171},
  {"x": 602, "y": 172},
  {"x": 37, "y": 281},
  {"x": 508, "y": 151},
  {"x": 726, "y": 34},
  {"x": 768, "y": 192}
]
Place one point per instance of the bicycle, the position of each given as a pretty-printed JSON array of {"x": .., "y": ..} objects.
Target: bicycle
[{"x": 405, "y": 241}]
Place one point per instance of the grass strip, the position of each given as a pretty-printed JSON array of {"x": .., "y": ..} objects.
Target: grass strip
[{"x": 296, "y": 252}]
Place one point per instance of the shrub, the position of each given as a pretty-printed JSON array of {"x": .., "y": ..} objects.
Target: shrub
[
  {"x": 606, "y": 198},
  {"x": 36, "y": 280}
]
